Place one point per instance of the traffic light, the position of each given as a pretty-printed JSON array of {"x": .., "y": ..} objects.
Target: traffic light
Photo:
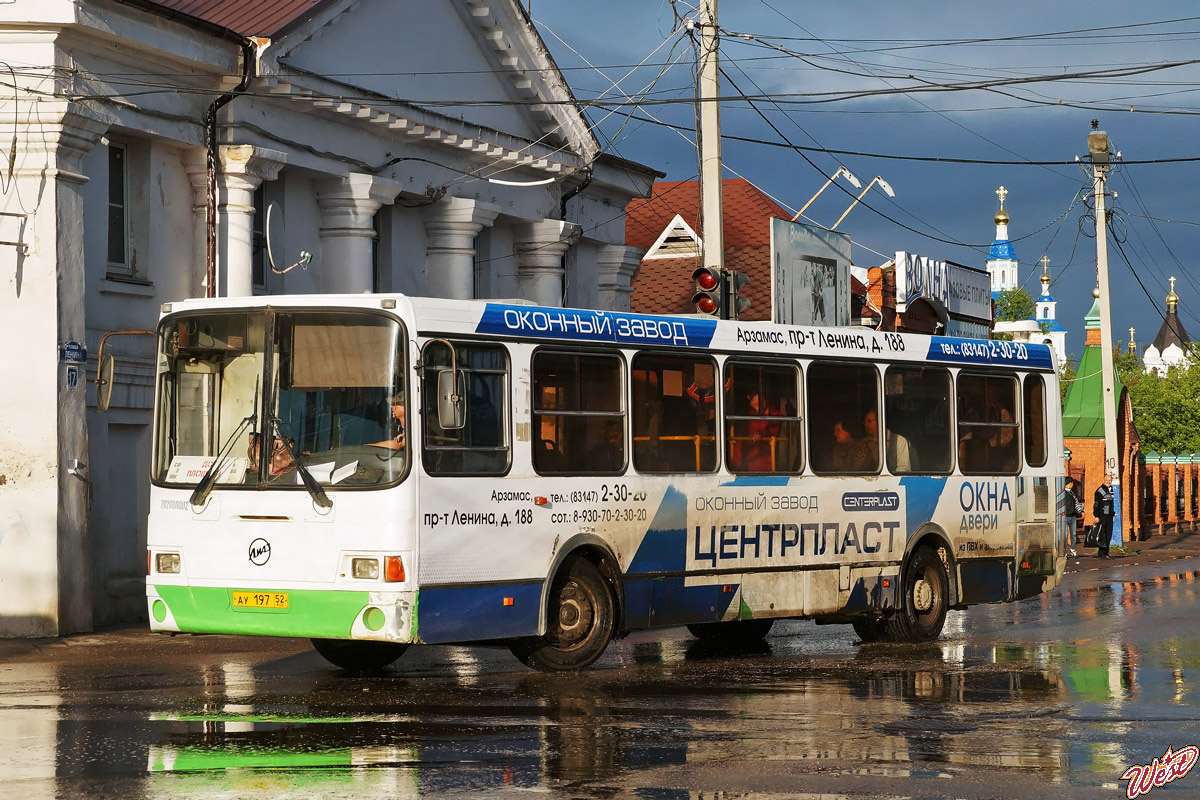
[
  {"x": 711, "y": 291},
  {"x": 737, "y": 303}
]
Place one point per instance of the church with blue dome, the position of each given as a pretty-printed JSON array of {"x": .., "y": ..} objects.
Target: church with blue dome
[{"x": 1002, "y": 266}]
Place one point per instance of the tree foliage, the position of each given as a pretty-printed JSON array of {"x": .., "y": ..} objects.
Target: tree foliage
[
  {"x": 1014, "y": 304},
  {"x": 1166, "y": 409}
]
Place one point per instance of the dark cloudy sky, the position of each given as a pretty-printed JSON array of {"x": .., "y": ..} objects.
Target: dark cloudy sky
[{"x": 882, "y": 81}]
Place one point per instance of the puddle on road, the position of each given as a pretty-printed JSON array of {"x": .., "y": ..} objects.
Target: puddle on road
[{"x": 1063, "y": 712}]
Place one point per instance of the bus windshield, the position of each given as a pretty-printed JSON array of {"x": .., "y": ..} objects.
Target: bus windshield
[{"x": 259, "y": 397}]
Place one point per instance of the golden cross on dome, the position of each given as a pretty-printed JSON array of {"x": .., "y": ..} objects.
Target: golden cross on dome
[
  {"x": 1002, "y": 193},
  {"x": 1172, "y": 284}
]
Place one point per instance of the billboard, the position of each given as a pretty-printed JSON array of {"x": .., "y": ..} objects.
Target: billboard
[{"x": 810, "y": 274}]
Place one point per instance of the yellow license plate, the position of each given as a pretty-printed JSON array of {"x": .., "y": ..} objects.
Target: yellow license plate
[{"x": 260, "y": 600}]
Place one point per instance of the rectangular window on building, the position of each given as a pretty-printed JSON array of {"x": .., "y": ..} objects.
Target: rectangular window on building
[{"x": 118, "y": 211}]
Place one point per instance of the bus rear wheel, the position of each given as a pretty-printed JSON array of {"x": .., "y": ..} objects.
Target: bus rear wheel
[
  {"x": 925, "y": 599},
  {"x": 581, "y": 618},
  {"x": 358, "y": 656},
  {"x": 735, "y": 633}
]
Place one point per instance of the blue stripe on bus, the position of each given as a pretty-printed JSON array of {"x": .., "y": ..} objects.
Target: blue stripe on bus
[
  {"x": 651, "y": 601},
  {"x": 470, "y": 613},
  {"x": 664, "y": 547},
  {"x": 994, "y": 352},
  {"x": 921, "y": 496},
  {"x": 576, "y": 324},
  {"x": 759, "y": 480}
]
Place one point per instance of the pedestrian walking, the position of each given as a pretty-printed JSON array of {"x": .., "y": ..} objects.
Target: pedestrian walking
[
  {"x": 1072, "y": 510},
  {"x": 1104, "y": 508}
]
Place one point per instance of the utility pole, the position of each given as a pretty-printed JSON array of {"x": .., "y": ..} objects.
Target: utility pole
[
  {"x": 1098, "y": 147},
  {"x": 709, "y": 134}
]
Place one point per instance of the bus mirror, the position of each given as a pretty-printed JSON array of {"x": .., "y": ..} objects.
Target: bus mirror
[
  {"x": 104, "y": 369},
  {"x": 451, "y": 399},
  {"x": 104, "y": 383}
]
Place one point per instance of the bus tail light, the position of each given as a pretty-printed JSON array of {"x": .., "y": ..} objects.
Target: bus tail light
[{"x": 393, "y": 569}]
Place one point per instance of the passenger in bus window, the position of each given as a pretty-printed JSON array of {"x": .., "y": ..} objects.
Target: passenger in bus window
[
  {"x": 608, "y": 455},
  {"x": 898, "y": 458},
  {"x": 755, "y": 451},
  {"x": 850, "y": 454},
  {"x": 1003, "y": 443}
]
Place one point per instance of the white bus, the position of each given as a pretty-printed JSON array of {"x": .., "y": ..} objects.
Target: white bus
[{"x": 377, "y": 471}]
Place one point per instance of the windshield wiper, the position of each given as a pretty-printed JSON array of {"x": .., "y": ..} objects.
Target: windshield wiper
[
  {"x": 205, "y": 486},
  {"x": 310, "y": 483}
]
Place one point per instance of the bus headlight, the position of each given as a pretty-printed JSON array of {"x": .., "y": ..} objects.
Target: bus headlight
[
  {"x": 166, "y": 562},
  {"x": 366, "y": 568}
]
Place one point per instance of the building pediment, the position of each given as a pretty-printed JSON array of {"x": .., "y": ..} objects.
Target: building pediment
[{"x": 479, "y": 62}]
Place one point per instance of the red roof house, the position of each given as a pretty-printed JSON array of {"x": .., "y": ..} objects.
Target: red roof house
[{"x": 667, "y": 227}]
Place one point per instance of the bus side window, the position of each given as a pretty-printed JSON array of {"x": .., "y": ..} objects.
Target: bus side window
[
  {"x": 1035, "y": 420},
  {"x": 762, "y": 418},
  {"x": 917, "y": 435},
  {"x": 988, "y": 431},
  {"x": 481, "y": 446},
  {"x": 578, "y": 416},
  {"x": 674, "y": 414},
  {"x": 843, "y": 402}
]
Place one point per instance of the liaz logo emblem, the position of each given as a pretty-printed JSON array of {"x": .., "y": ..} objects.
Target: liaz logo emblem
[
  {"x": 260, "y": 552},
  {"x": 870, "y": 501}
]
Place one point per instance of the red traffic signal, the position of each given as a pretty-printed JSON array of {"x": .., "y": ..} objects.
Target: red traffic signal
[{"x": 709, "y": 290}]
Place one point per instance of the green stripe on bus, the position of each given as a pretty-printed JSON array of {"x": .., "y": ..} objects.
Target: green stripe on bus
[{"x": 320, "y": 613}]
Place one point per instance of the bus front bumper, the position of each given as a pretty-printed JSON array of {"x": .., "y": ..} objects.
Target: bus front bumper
[{"x": 320, "y": 614}]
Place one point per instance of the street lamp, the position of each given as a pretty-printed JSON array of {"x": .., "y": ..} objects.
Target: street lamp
[
  {"x": 855, "y": 182},
  {"x": 887, "y": 189}
]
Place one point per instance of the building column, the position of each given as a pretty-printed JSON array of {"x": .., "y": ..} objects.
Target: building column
[
  {"x": 241, "y": 169},
  {"x": 348, "y": 206},
  {"x": 540, "y": 248},
  {"x": 1173, "y": 495},
  {"x": 45, "y": 585},
  {"x": 1158, "y": 515},
  {"x": 616, "y": 265},
  {"x": 450, "y": 230}
]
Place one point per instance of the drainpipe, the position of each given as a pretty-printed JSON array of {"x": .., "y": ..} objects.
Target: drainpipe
[
  {"x": 249, "y": 54},
  {"x": 562, "y": 214}
]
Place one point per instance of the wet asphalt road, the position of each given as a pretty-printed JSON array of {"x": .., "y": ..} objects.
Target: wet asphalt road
[{"x": 1053, "y": 697}]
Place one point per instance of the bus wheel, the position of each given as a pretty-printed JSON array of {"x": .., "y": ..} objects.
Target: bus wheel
[
  {"x": 358, "y": 656},
  {"x": 735, "y": 633},
  {"x": 581, "y": 616},
  {"x": 925, "y": 599},
  {"x": 871, "y": 630}
]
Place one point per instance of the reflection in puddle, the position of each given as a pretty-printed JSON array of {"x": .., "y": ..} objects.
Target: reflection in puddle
[{"x": 1074, "y": 705}]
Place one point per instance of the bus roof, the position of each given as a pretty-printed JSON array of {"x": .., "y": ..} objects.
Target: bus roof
[{"x": 514, "y": 319}]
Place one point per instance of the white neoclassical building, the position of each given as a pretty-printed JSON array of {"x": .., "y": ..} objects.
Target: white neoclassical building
[{"x": 422, "y": 146}]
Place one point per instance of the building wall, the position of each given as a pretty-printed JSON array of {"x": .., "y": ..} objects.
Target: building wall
[{"x": 72, "y": 544}]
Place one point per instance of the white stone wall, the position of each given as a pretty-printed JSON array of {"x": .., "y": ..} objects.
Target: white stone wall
[{"x": 72, "y": 546}]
